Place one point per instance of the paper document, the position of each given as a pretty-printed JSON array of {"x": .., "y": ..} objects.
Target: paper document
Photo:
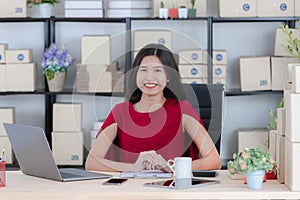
[{"x": 146, "y": 174}]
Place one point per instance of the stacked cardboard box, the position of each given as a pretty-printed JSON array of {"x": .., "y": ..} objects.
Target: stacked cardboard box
[
  {"x": 84, "y": 8},
  {"x": 13, "y": 8},
  {"x": 67, "y": 135},
  {"x": 17, "y": 70}
]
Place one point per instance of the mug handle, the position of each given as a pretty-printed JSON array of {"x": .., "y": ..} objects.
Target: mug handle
[{"x": 171, "y": 165}]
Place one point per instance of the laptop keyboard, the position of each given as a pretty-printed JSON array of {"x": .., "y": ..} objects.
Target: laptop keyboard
[{"x": 69, "y": 175}]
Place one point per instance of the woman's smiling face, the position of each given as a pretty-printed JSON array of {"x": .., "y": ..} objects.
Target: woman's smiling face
[{"x": 151, "y": 76}]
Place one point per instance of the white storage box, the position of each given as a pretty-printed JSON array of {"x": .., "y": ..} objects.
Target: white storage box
[
  {"x": 191, "y": 56},
  {"x": 200, "y": 6},
  {"x": 279, "y": 71},
  {"x": 21, "y": 77},
  {"x": 193, "y": 71},
  {"x": 67, "y": 117},
  {"x": 5, "y": 144},
  {"x": 95, "y": 49},
  {"x": 280, "y": 38},
  {"x": 281, "y": 121},
  {"x": 280, "y": 158},
  {"x": 272, "y": 144},
  {"x": 7, "y": 115},
  {"x": 83, "y": 12},
  {"x": 67, "y": 148},
  {"x": 296, "y": 78},
  {"x": 143, "y": 37},
  {"x": 83, "y": 4},
  {"x": 292, "y": 160},
  {"x": 13, "y": 8},
  {"x": 297, "y": 8},
  {"x": 253, "y": 138},
  {"x": 18, "y": 56},
  {"x": 292, "y": 106},
  {"x": 2, "y": 78},
  {"x": 219, "y": 71},
  {"x": 255, "y": 73},
  {"x": 237, "y": 8},
  {"x": 219, "y": 81},
  {"x": 194, "y": 80},
  {"x": 128, "y": 12},
  {"x": 133, "y": 4},
  {"x": 3, "y": 48},
  {"x": 275, "y": 8}
]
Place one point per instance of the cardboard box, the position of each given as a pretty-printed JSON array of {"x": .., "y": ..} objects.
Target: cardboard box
[
  {"x": 193, "y": 71},
  {"x": 253, "y": 138},
  {"x": 280, "y": 38},
  {"x": 275, "y": 8},
  {"x": 219, "y": 57},
  {"x": 280, "y": 157},
  {"x": 255, "y": 73},
  {"x": 18, "y": 56},
  {"x": 3, "y": 48},
  {"x": 279, "y": 67},
  {"x": 297, "y": 8},
  {"x": 143, "y": 37},
  {"x": 95, "y": 49},
  {"x": 191, "y": 56},
  {"x": 21, "y": 77},
  {"x": 281, "y": 121},
  {"x": 6, "y": 115},
  {"x": 5, "y": 144},
  {"x": 2, "y": 78},
  {"x": 296, "y": 78},
  {"x": 292, "y": 160},
  {"x": 237, "y": 8},
  {"x": 272, "y": 144},
  {"x": 219, "y": 71},
  {"x": 100, "y": 82},
  {"x": 219, "y": 81},
  {"x": 67, "y": 117},
  {"x": 292, "y": 106},
  {"x": 67, "y": 148},
  {"x": 200, "y": 6},
  {"x": 194, "y": 80},
  {"x": 13, "y": 8}
]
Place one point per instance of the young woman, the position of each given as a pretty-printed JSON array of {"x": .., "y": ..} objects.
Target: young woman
[{"x": 152, "y": 125}]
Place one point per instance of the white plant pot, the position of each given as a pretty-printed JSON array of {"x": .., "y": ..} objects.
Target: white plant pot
[
  {"x": 182, "y": 12},
  {"x": 163, "y": 13},
  {"x": 41, "y": 11}
]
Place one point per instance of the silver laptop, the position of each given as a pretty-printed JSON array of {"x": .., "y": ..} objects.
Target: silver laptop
[{"x": 35, "y": 157}]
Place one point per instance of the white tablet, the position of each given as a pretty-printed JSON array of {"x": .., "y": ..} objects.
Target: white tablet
[{"x": 182, "y": 183}]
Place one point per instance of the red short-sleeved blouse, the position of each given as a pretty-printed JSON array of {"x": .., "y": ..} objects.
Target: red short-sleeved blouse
[{"x": 160, "y": 130}]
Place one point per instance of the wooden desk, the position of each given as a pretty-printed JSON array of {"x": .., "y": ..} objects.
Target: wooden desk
[{"x": 20, "y": 186}]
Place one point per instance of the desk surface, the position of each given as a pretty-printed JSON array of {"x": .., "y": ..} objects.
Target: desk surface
[{"x": 20, "y": 186}]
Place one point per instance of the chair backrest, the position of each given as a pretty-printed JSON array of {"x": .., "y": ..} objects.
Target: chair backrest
[{"x": 208, "y": 100}]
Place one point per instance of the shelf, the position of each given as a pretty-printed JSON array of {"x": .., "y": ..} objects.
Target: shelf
[
  {"x": 38, "y": 91},
  {"x": 253, "y": 19},
  {"x": 170, "y": 19},
  {"x": 25, "y": 19},
  {"x": 70, "y": 91},
  {"x": 238, "y": 92},
  {"x": 91, "y": 20}
]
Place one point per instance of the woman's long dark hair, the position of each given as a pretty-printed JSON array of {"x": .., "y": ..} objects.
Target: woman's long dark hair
[{"x": 173, "y": 89}]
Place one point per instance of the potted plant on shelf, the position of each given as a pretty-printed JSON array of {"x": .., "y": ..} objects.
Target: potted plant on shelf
[
  {"x": 182, "y": 12},
  {"x": 292, "y": 44},
  {"x": 173, "y": 12},
  {"x": 163, "y": 12},
  {"x": 55, "y": 65},
  {"x": 253, "y": 162},
  {"x": 42, "y": 8},
  {"x": 192, "y": 11}
]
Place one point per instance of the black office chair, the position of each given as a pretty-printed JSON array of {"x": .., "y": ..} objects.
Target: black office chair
[{"x": 208, "y": 100}]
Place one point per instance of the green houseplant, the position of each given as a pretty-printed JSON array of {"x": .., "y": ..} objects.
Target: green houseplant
[
  {"x": 55, "y": 64},
  {"x": 253, "y": 162},
  {"x": 163, "y": 12},
  {"x": 42, "y": 8},
  {"x": 37, "y": 2},
  {"x": 292, "y": 43},
  {"x": 192, "y": 11}
]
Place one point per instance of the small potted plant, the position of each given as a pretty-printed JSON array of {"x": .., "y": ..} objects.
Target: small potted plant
[
  {"x": 252, "y": 162},
  {"x": 173, "y": 12},
  {"x": 182, "y": 12},
  {"x": 42, "y": 8},
  {"x": 163, "y": 12},
  {"x": 192, "y": 11},
  {"x": 55, "y": 64},
  {"x": 292, "y": 44}
]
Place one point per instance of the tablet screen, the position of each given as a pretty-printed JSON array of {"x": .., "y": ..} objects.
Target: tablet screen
[{"x": 181, "y": 183}]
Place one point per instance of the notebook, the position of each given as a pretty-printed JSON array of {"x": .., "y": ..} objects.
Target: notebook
[{"x": 35, "y": 157}]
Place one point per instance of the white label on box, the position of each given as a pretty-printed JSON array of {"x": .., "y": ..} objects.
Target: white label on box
[
  {"x": 275, "y": 8},
  {"x": 237, "y": 8}
]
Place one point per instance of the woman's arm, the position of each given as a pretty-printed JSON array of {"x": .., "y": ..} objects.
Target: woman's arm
[{"x": 210, "y": 157}]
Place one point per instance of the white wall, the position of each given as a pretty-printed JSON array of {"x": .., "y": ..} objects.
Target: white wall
[{"x": 243, "y": 39}]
